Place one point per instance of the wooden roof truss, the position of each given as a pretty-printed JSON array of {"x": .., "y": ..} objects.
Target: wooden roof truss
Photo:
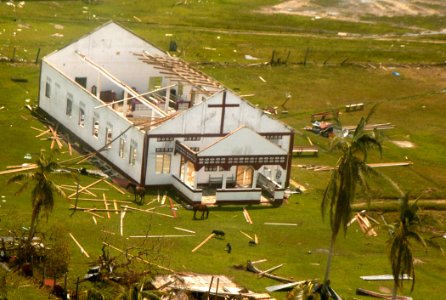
[{"x": 178, "y": 70}]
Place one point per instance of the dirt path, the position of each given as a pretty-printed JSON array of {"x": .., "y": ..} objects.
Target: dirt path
[{"x": 353, "y": 10}]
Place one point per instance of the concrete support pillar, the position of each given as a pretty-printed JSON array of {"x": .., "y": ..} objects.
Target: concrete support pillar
[
  {"x": 254, "y": 179},
  {"x": 125, "y": 106},
  {"x": 223, "y": 184},
  {"x": 195, "y": 179},
  {"x": 166, "y": 104},
  {"x": 98, "y": 85}
]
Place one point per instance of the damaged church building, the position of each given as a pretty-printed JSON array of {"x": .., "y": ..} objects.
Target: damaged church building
[{"x": 160, "y": 122}]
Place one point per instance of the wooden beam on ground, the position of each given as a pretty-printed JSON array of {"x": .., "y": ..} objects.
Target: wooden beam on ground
[
  {"x": 79, "y": 245},
  {"x": 172, "y": 208},
  {"x": 88, "y": 156},
  {"x": 123, "y": 212},
  {"x": 18, "y": 170},
  {"x": 86, "y": 187},
  {"x": 106, "y": 205},
  {"x": 280, "y": 224},
  {"x": 115, "y": 187},
  {"x": 100, "y": 200},
  {"x": 247, "y": 235},
  {"x": 247, "y": 216},
  {"x": 91, "y": 209},
  {"x": 259, "y": 261},
  {"x": 147, "y": 211},
  {"x": 115, "y": 205},
  {"x": 42, "y": 133},
  {"x": 55, "y": 137},
  {"x": 269, "y": 270},
  {"x": 94, "y": 214},
  {"x": 182, "y": 229},
  {"x": 203, "y": 242},
  {"x": 161, "y": 236}
]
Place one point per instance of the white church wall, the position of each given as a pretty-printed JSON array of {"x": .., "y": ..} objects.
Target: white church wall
[{"x": 63, "y": 89}]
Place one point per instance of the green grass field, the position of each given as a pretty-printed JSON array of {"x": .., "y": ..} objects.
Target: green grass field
[{"x": 338, "y": 71}]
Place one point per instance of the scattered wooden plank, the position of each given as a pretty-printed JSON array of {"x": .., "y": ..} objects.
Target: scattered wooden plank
[
  {"x": 172, "y": 208},
  {"x": 164, "y": 199},
  {"x": 262, "y": 79},
  {"x": 55, "y": 137},
  {"x": 18, "y": 170},
  {"x": 247, "y": 216},
  {"x": 115, "y": 187},
  {"x": 203, "y": 242},
  {"x": 86, "y": 187},
  {"x": 106, "y": 205},
  {"x": 94, "y": 214},
  {"x": 269, "y": 270},
  {"x": 90, "y": 209},
  {"x": 94, "y": 220},
  {"x": 79, "y": 245},
  {"x": 123, "y": 212},
  {"x": 147, "y": 211},
  {"x": 38, "y": 129},
  {"x": 161, "y": 236},
  {"x": 186, "y": 230},
  {"x": 100, "y": 200},
  {"x": 86, "y": 157},
  {"x": 115, "y": 205},
  {"x": 42, "y": 133},
  {"x": 384, "y": 277},
  {"x": 247, "y": 235},
  {"x": 259, "y": 261},
  {"x": 280, "y": 224}
]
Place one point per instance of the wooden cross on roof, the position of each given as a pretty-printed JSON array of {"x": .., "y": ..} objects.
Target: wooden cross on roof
[{"x": 223, "y": 106}]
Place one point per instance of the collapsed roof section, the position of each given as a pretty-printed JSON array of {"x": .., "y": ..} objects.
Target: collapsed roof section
[{"x": 178, "y": 70}]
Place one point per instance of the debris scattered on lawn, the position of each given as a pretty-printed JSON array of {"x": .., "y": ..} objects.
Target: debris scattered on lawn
[
  {"x": 79, "y": 245},
  {"x": 262, "y": 79},
  {"x": 247, "y": 216},
  {"x": 250, "y": 57},
  {"x": 384, "y": 277},
  {"x": 186, "y": 230},
  {"x": 204, "y": 287},
  {"x": 161, "y": 236},
  {"x": 252, "y": 268},
  {"x": 280, "y": 224},
  {"x": 204, "y": 242}
]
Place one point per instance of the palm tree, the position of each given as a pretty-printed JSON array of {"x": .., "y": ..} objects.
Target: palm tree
[
  {"x": 44, "y": 190},
  {"x": 400, "y": 254},
  {"x": 351, "y": 170}
]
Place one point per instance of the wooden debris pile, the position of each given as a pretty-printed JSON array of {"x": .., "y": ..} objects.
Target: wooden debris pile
[
  {"x": 204, "y": 287},
  {"x": 364, "y": 223}
]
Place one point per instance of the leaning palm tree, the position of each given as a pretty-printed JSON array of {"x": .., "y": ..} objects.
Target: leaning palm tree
[
  {"x": 403, "y": 231},
  {"x": 43, "y": 191},
  {"x": 351, "y": 170}
]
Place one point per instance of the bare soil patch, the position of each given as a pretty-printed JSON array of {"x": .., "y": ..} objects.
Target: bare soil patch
[{"x": 355, "y": 9}]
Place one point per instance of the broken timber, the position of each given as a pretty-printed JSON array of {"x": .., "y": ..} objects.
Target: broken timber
[
  {"x": 301, "y": 150},
  {"x": 203, "y": 242},
  {"x": 79, "y": 245},
  {"x": 250, "y": 267}
]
